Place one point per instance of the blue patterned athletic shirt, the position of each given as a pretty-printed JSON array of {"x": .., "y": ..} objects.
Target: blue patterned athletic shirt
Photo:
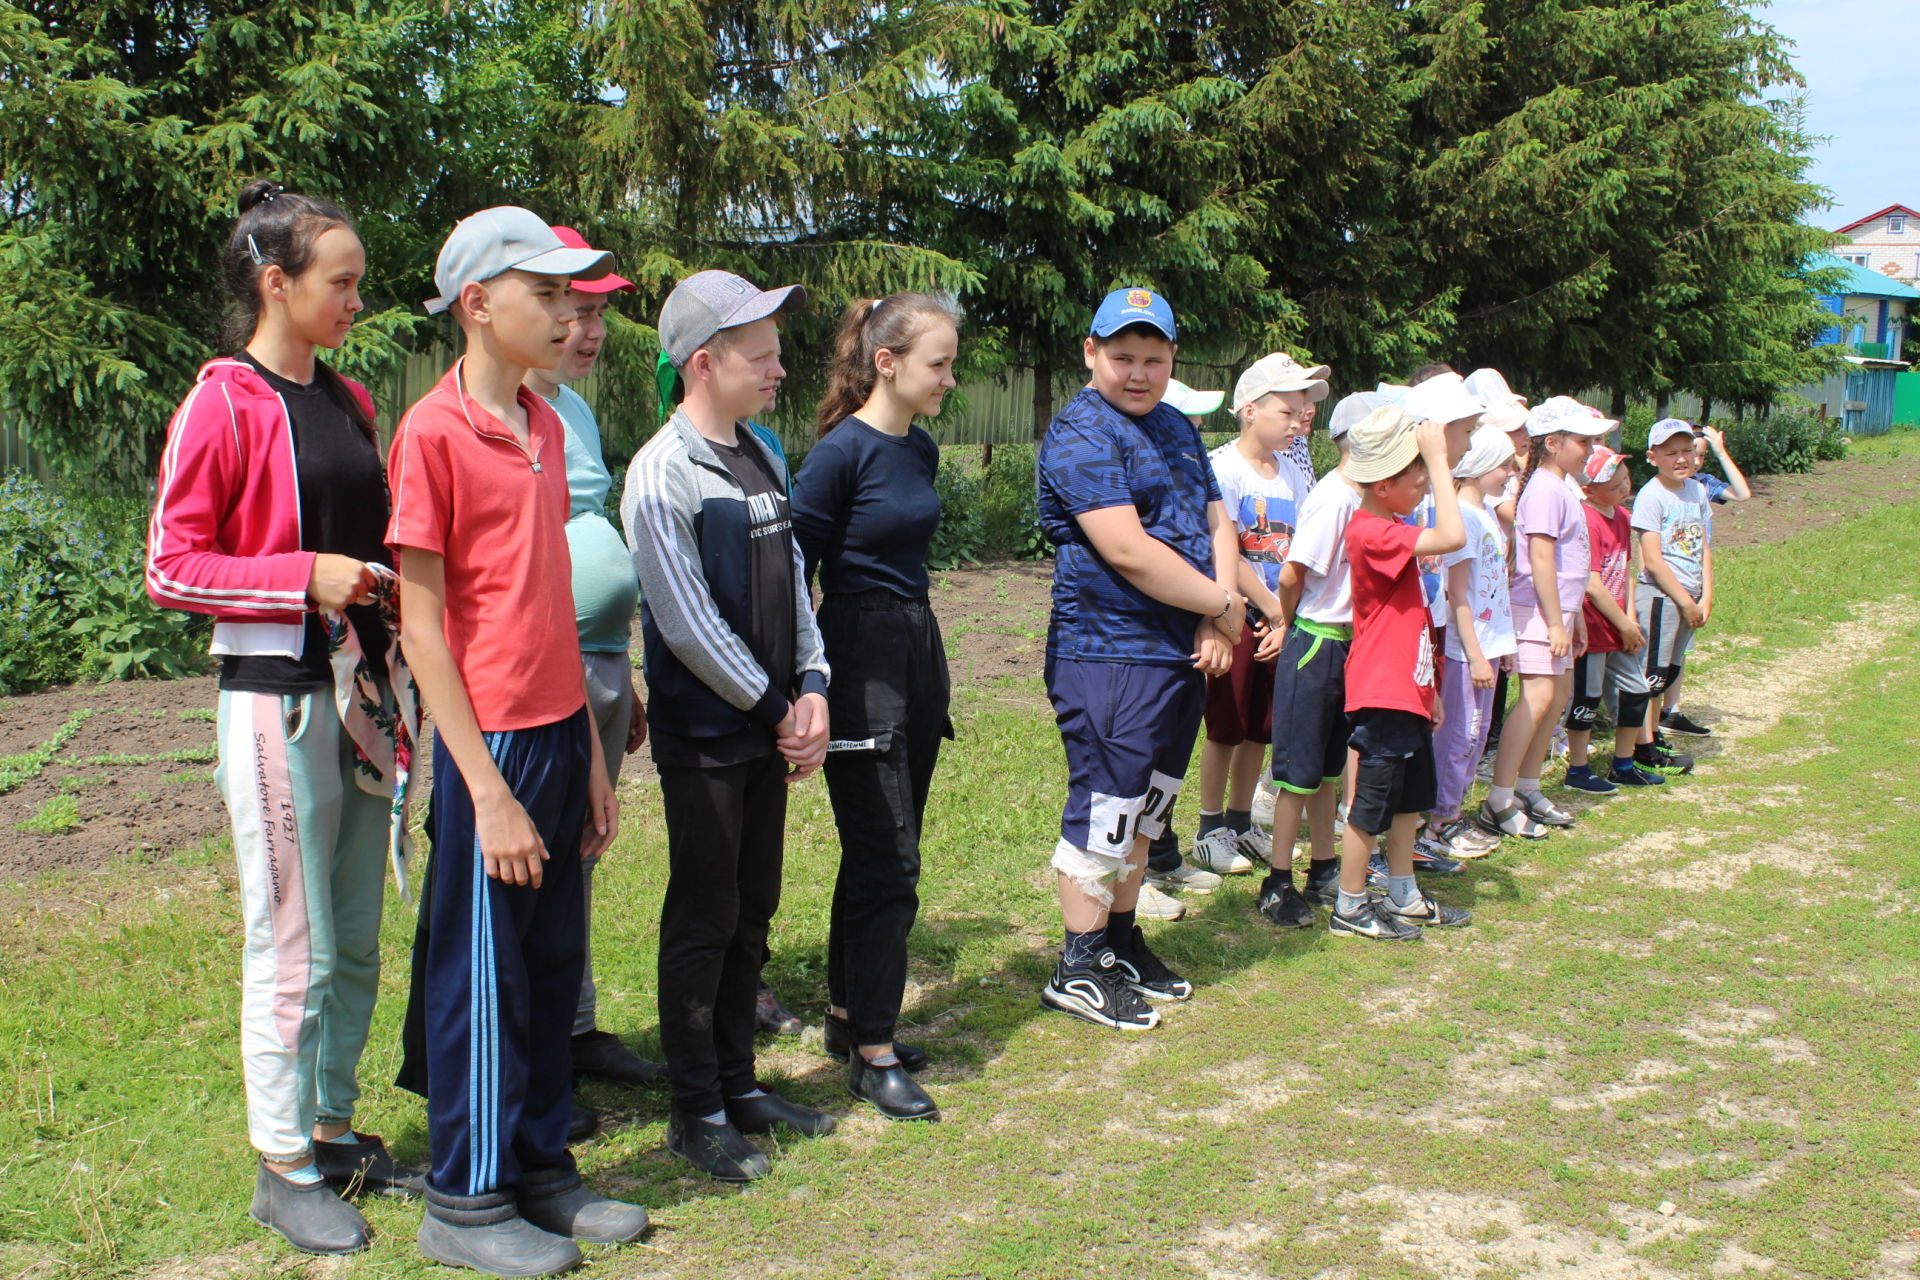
[{"x": 1095, "y": 457}]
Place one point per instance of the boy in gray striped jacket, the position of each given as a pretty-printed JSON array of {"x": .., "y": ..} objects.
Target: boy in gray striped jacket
[{"x": 737, "y": 703}]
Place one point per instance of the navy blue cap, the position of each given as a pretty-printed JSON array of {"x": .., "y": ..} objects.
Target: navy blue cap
[{"x": 1123, "y": 307}]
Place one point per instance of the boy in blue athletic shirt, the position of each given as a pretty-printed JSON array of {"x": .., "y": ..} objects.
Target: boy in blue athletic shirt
[{"x": 1144, "y": 605}]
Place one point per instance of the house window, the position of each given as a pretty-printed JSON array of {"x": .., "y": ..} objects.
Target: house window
[
  {"x": 1857, "y": 259},
  {"x": 1896, "y": 224}
]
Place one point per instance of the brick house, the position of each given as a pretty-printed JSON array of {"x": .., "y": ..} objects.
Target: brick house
[{"x": 1887, "y": 242}]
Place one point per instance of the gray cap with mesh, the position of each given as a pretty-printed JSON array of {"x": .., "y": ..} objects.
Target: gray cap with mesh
[{"x": 708, "y": 301}]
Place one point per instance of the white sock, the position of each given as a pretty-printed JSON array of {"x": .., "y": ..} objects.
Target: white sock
[
  {"x": 305, "y": 1177},
  {"x": 718, "y": 1117},
  {"x": 348, "y": 1136},
  {"x": 754, "y": 1093},
  {"x": 1528, "y": 786},
  {"x": 1499, "y": 798}
]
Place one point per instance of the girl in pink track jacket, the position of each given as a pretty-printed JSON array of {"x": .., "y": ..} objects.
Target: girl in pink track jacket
[{"x": 270, "y": 516}]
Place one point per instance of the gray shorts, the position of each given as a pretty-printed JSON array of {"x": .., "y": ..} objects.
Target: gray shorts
[
  {"x": 610, "y": 703},
  {"x": 1616, "y": 678},
  {"x": 1669, "y": 636}
]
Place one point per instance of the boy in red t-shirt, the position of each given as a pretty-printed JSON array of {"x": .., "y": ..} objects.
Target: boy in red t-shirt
[
  {"x": 520, "y": 793},
  {"x": 1390, "y": 684},
  {"x": 1610, "y": 665}
]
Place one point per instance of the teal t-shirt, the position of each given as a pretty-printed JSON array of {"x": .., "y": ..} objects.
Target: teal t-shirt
[{"x": 606, "y": 591}]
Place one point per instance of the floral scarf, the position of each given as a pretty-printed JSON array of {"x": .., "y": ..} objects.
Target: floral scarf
[{"x": 380, "y": 710}]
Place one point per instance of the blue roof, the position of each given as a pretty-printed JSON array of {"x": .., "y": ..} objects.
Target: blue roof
[{"x": 1858, "y": 282}]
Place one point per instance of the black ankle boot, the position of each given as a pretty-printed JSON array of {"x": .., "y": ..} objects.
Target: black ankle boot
[
  {"x": 717, "y": 1150},
  {"x": 893, "y": 1093},
  {"x": 838, "y": 1037},
  {"x": 761, "y": 1114}
]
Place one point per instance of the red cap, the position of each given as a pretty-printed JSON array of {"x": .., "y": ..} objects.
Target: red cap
[{"x": 608, "y": 283}]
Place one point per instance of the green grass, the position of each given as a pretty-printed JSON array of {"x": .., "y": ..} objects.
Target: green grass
[
  {"x": 1703, "y": 997},
  {"x": 61, "y": 813}
]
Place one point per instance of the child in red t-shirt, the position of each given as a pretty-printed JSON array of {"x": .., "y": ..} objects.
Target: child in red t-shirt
[
  {"x": 1390, "y": 684},
  {"x": 1614, "y": 638}
]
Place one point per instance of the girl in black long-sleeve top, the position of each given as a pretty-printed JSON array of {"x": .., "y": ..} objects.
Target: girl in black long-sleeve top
[{"x": 865, "y": 510}]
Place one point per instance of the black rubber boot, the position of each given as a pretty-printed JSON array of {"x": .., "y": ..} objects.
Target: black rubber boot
[
  {"x": 718, "y": 1150},
  {"x": 487, "y": 1234},
  {"x": 584, "y": 1124},
  {"x": 601, "y": 1055},
  {"x": 365, "y": 1164},
  {"x": 890, "y": 1089},
  {"x": 838, "y": 1038},
  {"x": 559, "y": 1202},
  {"x": 761, "y": 1114},
  {"x": 311, "y": 1216}
]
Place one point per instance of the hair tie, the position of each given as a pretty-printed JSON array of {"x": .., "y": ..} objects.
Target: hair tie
[
  {"x": 253, "y": 248},
  {"x": 272, "y": 193}
]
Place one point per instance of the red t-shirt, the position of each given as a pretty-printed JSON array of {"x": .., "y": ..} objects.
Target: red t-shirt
[
  {"x": 1390, "y": 666},
  {"x": 1612, "y": 539},
  {"x": 465, "y": 489}
]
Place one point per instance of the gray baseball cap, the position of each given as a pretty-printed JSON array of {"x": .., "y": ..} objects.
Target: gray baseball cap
[
  {"x": 507, "y": 238},
  {"x": 708, "y": 301}
]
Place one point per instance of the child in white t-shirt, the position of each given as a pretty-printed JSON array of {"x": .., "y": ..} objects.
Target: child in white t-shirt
[
  {"x": 1479, "y": 641},
  {"x": 1263, "y": 490}
]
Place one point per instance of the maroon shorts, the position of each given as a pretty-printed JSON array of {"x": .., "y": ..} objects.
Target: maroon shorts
[{"x": 1240, "y": 703}]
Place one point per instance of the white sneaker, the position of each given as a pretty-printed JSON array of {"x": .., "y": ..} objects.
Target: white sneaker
[
  {"x": 1184, "y": 879},
  {"x": 1339, "y": 820},
  {"x": 1155, "y": 905},
  {"x": 1257, "y": 845},
  {"x": 1219, "y": 852},
  {"x": 1263, "y": 797}
]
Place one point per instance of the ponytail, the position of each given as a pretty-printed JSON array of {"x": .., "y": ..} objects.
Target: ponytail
[
  {"x": 872, "y": 325},
  {"x": 278, "y": 228}
]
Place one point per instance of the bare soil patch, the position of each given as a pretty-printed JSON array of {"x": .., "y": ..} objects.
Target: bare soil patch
[{"x": 1835, "y": 491}]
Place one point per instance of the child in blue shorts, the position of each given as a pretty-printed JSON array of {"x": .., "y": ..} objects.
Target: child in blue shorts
[{"x": 1144, "y": 607}]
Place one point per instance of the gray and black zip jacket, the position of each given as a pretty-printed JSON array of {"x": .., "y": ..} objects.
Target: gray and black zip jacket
[{"x": 686, "y": 523}]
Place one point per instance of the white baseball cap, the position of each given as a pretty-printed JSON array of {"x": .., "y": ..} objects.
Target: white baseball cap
[
  {"x": 1351, "y": 409},
  {"x": 507, "y": 238},
  {"x": 1491, "y": 386},
  {"x": 1280, "y": 372},
  {"x": 1195, "y": 404},
  {"x": 1443, "y": 398},
  {"x": 1666, "y": 429},
  {"x": 1564, "y": 413}
]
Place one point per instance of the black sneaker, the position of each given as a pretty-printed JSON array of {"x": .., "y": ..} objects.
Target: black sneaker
[
  {"x": 1323, "y": 887},
  {"x": 1287, "y": 908},
  {"x": 1677, "y": 721},
  {"x": 1632, "y": 775},
  {"x": 1427, "y": 912},
  {"x": 1099, "y": 995},
  {"x": 1430, "y": 859},
  {"x": 1658, "y": 756},
  {"x": 1370, "y": 920},
  {"x": 1146, "y": 973}
]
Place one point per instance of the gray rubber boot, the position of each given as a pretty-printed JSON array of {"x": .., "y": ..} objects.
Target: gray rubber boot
[
  {"x": 559, "y": 1202},
  {"x": 487, "y": 1234},
  {"x": 311, "y": 1216}
]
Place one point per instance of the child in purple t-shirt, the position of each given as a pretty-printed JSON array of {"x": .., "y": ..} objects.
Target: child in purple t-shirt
[{"x": 1551, "y": 564}]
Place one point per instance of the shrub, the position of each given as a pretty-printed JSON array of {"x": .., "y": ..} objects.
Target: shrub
[
  {"x": 1010, "y": 508},
  {"x": 1790, "y": 439},
  {"x": 73, "y": 599},
  {"x": 960, "y": 539}
]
